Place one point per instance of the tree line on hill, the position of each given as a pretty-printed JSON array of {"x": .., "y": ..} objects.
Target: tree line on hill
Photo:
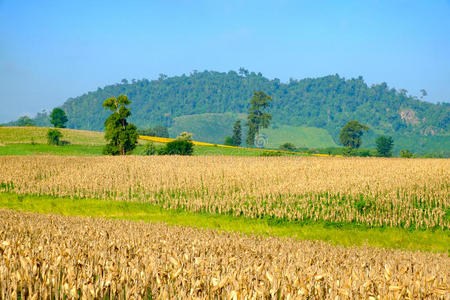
[
  {"x": 122, "y": 136},
  {"x": 328, "y": 102}
]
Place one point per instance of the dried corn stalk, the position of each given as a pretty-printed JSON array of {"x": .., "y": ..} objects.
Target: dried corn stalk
[{"x": 47, "y": 256}]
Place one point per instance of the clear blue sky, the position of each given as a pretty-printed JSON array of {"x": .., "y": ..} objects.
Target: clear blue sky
[{"x": 53, "y": 50}]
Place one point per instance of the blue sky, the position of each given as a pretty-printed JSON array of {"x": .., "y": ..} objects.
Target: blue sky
[{"x": 53, "y": 50}]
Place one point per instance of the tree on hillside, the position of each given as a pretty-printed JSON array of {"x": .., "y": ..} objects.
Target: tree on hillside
[
  {"x": 58, "y": 118},
  {"x": 122, "y": 136},
  {"x": 423, "y": 93},
  {"x": 351, "y": 134},
  {"x": 237, "y": 134},
  {"x": 24, "y": 121},
  {"x": 257, "y": 118},
  {"x": 385, "y": 144}
]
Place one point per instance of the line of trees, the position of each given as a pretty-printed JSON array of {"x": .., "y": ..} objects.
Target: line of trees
[{"x": 122, "y": 136}]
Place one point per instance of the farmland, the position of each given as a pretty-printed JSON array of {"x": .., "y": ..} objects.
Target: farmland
[
  {"x": 410, "y": 194},
  {"x": 52, "y": 256},
  {"x": 223, "y": 227}
]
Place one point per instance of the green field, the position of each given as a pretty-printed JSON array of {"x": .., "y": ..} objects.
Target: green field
[
  {"x": 33, "y": 141},
  {"x": 309, "y": 137},
  {"x": 213, "y": 128},
  {"x": 44, "y": 149},
  {"x": 337, "y": 234},
  {"x": 38, "y": 135}
]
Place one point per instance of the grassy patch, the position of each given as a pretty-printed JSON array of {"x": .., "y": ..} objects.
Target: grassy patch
[
  {"x": 300, "y": 136},
  {"x": 44, "y": 149},
  {"x": 76, "y": 150},
  {"x": 338, "y": 234},
  {"x": 28, "y": 135},
  {"x": 212, "y": 150}
]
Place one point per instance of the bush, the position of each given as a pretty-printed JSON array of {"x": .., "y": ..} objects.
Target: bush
[
  {"x": 366, "y": 152},
  {"x": 287, "y": 147},
  {"x": 185, "y": 136},
  {"x": 54, "y": 137},
  {"x": 228, "y": 141},
  {"x": 150, "y": 149},
  {"x": 267, "y": 153},
  {"x": 179, "y": 147},
  {"x": 406, "y": 154}
]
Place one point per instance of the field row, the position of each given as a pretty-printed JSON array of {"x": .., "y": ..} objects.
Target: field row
[
  {"x": 44, "y": 256},
  {"x": 375, "y": 192}
]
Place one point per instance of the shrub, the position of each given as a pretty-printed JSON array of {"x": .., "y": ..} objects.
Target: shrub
[
  {"x": 287, "y": 147},
  {"x": 54, "y": 137},
  {"x": 185, "y": 136},
  {"x": 228, "y": 141},
  {"x": 271, "y": 153},
  {"x": 179, "y": 147},
  {"x": 406, "y": 154},
  {"x": 150, "y": 149}
]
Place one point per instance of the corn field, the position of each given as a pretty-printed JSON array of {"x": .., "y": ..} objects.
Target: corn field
[
  {"x": 406, "y": 193},
  {"x": 49, "y": 256}
]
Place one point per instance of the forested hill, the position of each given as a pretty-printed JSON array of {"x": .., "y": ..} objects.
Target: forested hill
[{"x": 326, "y": 102}]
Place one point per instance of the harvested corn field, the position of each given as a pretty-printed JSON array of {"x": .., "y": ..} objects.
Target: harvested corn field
[
  {"x": 405, "y": 193},
  {"x": 45, "y": 256}
]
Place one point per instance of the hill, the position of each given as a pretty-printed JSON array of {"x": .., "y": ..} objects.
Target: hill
[{"x": 207, "y": 104}]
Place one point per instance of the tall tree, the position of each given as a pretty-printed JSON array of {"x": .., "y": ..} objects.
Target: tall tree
[
  {"x": 122, "y": 136},
  {"x": 58, "y": 118},
  {"x": 351, "y": 134},
  {"x": 385, "y": 144},
  {"x": 257, "y": 118},
  {"x": 237, "y": 134}
]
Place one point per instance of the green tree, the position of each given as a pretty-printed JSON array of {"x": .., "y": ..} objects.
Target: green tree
[
  {"x": 351, "y": 134},
  {"x": 228, "y": 141},
  {"x": 237, "y": 134},
  {"x": 25, "y": 121},
  {"x": 58, "y": 118},
  {"x": 122, "y": 136},
  {"x": 423, "y": 93},
  {"x": 384, "y": 145},
  {"x": 257, "y": 118},
  {"x": 54, "y": 137}
]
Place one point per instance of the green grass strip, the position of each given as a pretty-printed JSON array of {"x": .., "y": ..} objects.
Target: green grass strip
[{"x": 345, "y": 234}]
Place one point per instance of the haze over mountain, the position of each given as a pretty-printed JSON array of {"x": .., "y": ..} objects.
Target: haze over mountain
[{"x": 308, "y": 112}]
